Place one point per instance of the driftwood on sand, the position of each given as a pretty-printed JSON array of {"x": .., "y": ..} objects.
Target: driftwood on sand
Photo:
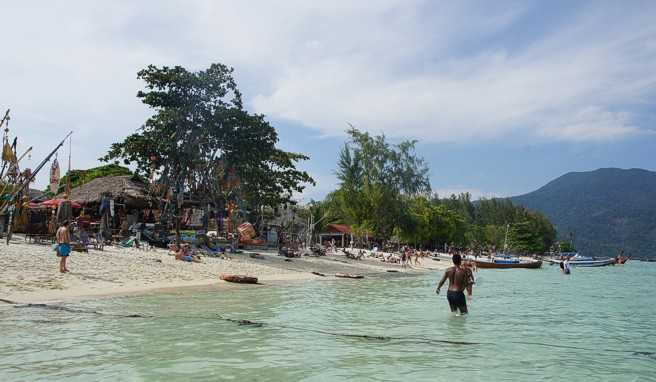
[
  {"x": 241, "y": 279},
  {"x": 349, "y": 276}
]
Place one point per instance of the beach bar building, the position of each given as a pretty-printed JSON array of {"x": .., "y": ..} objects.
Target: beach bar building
[
  {"x": 125, "y": 189},
  {"x": 341, "y": 233},
  {"x": 112, "y": 203}
]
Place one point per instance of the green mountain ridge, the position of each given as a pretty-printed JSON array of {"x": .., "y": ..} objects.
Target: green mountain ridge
[{"x": 604, "y": 210}]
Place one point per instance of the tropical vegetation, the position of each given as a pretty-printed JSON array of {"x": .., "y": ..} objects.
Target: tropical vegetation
[{"x": 384, "y": 192}]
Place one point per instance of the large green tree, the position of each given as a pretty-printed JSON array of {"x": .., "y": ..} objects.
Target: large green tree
[
  {"x": 375, "y": 179},
  {"x": 200, "y": 140}
]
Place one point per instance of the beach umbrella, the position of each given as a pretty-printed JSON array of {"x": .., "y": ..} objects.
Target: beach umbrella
[{"x": 54, "y": 203}]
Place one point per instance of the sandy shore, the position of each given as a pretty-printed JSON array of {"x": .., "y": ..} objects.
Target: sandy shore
[{"x": 29, "y": 272}]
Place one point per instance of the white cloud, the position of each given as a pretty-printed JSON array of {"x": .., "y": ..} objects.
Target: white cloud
[
  {"x": 485, "y": 95},
  {"x": 592, "y": 123},
  {"x": 435, "y": 71}
]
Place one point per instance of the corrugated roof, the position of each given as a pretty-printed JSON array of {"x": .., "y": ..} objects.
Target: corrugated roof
[{"x": 341, "y": 228}]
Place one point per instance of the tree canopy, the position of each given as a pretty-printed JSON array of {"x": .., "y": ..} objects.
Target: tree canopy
[
  {"x": 80, "y": 177},
  {"x": 384, "y": 192},
  {"x": 375, "y": 177},
  {"x": 200, "y": 140}
]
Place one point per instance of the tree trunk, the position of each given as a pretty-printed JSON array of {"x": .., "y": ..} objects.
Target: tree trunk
[{"x": 177, "y": 226}]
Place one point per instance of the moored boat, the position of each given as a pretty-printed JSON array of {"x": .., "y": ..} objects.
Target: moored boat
[
  {"x": 505, "y": 259},
  {"x": 507, "y": 264},
  {"x": 585, "y": 261}
]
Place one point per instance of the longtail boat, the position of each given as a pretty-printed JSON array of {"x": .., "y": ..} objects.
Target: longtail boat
[{"x": 508, "y": 265}]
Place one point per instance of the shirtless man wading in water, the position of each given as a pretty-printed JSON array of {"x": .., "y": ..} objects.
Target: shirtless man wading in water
[{"x": 459, "y": 279}]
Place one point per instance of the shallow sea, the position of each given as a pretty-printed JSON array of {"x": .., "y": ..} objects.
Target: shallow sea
[{"x": 596, "y": 324}]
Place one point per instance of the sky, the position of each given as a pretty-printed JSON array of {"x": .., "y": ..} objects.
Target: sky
[{"x": 501, "y": 97}]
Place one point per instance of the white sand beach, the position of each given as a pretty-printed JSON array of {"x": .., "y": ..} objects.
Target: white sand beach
[{"x": 29, "y": 272}]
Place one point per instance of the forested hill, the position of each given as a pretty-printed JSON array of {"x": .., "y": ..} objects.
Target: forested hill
[{"x": 604, "y": 210}]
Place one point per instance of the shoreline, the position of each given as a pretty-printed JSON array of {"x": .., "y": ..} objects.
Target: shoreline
[{"x": 30, "y": 275}]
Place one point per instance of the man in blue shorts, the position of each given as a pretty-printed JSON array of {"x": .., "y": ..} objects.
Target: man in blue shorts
[{"x": 63, "y": 238}]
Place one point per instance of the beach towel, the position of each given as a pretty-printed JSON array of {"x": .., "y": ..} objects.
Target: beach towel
[
  {"x": 127, "y": 243},
  {"x": 63, "y": 249}
]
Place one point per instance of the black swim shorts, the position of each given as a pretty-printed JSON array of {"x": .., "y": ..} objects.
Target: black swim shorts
[{"x": 457, "y": 300}]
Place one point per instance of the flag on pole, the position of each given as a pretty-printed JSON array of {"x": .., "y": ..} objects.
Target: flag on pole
[{"x": 54, "y": 176}]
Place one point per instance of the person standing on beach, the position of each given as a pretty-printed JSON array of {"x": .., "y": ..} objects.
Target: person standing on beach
[
  {"x": 459, "y": 279},
  {"x": 63, "y": 238}
]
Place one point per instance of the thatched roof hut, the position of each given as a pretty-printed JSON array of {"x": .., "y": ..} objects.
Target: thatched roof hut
[{"x": 127, "y": 188}]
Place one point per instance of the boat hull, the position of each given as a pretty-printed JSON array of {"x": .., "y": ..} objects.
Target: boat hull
[
  {"x": 593, "y": 263},
  {"x": 490, "y": 265},
  {"x": 588, "y": 263}
]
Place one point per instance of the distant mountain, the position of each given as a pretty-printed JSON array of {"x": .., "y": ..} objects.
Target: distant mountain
[{"x": 605, "y": 210}]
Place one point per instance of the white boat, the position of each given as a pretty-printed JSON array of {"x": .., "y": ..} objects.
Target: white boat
[
  {"x": 585, "y": 261},
  {"x": 502, "y": 258}
]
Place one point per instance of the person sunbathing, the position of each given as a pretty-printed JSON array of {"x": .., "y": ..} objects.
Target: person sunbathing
[{"x": 186, "y": 254}]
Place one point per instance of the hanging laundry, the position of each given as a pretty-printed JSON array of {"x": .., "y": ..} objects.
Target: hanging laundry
[
  {"x": 64, "y": 212},
  {"x": 104, "y": 204}
]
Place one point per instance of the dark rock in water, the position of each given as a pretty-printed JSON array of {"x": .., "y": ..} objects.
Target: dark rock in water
[{"x": 349, "y": 276}]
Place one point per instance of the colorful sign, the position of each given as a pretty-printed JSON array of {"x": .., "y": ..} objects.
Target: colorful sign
[{"x": 54, "y": 176}]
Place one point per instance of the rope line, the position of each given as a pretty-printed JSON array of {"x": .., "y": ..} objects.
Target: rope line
[{"x": 368, "y": 337}]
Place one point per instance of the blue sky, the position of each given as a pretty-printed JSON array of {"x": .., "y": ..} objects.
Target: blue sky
[{"x": 501, "y": 96}]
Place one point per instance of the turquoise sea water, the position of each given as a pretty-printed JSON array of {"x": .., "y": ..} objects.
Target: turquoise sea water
[{"x": 525, "y": 325}]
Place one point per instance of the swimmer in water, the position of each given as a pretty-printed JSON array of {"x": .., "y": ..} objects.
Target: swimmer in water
[{"x": 564, "y": 267}]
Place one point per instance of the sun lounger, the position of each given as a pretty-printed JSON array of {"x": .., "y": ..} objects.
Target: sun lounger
[{"x": 39, "y": 238}]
